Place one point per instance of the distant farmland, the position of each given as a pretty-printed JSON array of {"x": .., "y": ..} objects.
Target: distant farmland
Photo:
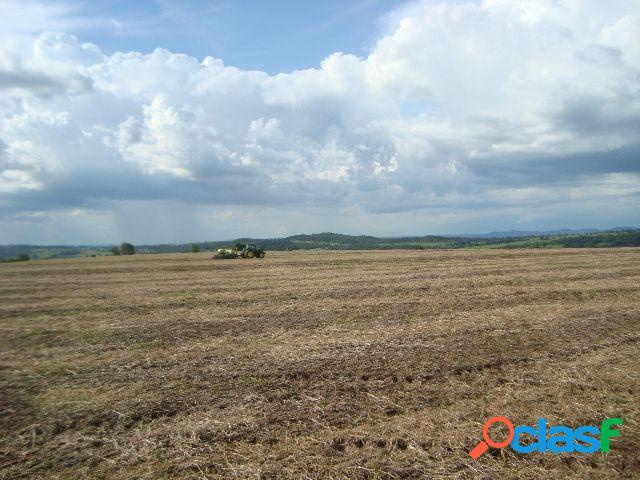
[
  {"x": 335, "y": 241},
  {"x": 348, "y": 364}
]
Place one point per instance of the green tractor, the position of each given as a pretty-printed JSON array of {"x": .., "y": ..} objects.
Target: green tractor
[{"x": 250, "y": 251}]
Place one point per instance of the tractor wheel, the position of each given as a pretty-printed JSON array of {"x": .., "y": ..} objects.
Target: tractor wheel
[
  {"x": 261, "y": 254},
  {"x": 249, "y": 254}
]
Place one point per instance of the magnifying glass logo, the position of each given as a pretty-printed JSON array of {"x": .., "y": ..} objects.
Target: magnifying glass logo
[{"x": 483, "y": 446}]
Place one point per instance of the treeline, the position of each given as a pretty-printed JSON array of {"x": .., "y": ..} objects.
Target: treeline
[{"x": 605, "y": 239}]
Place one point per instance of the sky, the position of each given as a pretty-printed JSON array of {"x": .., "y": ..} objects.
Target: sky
[{"x": 172, "y": 122}]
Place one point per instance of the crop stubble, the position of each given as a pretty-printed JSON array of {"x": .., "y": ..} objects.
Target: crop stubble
[{"x": 315, "y": 364}]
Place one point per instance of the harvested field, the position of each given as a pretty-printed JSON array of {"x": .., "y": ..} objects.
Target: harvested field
[{"x": 363, "y": 365}]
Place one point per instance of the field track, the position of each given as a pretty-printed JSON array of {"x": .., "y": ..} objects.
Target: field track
[{"x": 363, "y": 364}]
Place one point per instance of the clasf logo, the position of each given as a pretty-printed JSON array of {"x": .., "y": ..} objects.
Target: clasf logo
[{"x": 561, "y": 440}]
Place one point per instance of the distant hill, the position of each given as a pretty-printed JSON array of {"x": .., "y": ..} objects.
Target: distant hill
[
  {"x": 533, "y": 233},
  {"x": 618, "y": 237}
]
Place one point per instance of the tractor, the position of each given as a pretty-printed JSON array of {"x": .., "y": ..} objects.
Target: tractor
[{"x": 250, "y": 251}]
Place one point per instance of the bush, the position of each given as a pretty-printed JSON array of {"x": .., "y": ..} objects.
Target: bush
[
  {"x": 115, "y": 251},
  {"x": 127, "y": 249},
  {"x": 195, "y": 248},
  {"x": 23, "y": 257}
]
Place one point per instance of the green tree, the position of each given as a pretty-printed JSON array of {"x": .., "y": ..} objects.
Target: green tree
[
  {"x": 23, "y": 257},
  {"x": 239, "y": 246},
  {"x": 127, "y": 249},
  {"x": 195, "y": 248},
  {"x": 115, "y": 251}
]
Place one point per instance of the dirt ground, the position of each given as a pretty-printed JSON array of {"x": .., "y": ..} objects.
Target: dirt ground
[{"x": 334, "y": 365}]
